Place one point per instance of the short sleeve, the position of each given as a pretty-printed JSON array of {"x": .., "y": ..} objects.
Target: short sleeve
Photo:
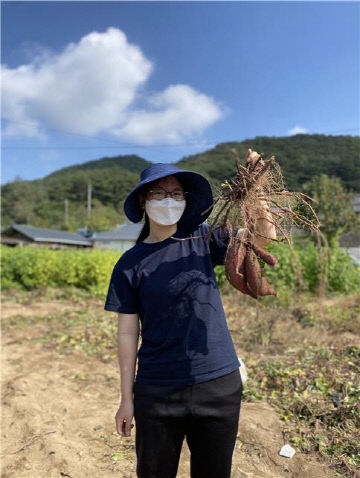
[
  {"x": 121, "y": 296},
  {"x": 218, "y": 244}
]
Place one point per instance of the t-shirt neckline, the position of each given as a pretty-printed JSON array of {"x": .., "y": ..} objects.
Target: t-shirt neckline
[{"x": 177, "y": 233}]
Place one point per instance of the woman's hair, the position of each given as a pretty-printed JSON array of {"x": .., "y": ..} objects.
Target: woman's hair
[{"x": 145, "y": 231}]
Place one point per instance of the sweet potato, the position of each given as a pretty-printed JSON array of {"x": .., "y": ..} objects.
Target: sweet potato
[
  {"x": 234, "y": 267},
  {"x": 265, "y": 288},
  {"x": 264, "y": 255},
  {"x": 252, "y": 271}
]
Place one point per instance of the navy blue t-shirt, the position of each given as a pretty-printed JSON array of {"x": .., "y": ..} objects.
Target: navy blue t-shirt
[{"x": 171, "y": 284}]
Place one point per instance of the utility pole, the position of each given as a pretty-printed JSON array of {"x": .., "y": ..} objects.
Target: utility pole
[
  {"x": 66, "y": 212},
  {"x": 89, "y": 201}
]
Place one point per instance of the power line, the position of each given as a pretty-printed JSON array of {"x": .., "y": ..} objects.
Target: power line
[
  {"x": 128, "y": 145},
  {"x": 12, "y": 148},
  {"x": 132, "y": 146}
]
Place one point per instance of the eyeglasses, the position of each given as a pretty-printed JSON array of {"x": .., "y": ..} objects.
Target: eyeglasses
[{"x": 160, "y": 193}]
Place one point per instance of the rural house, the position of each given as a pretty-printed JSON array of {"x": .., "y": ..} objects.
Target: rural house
[
  {"x": 20, "y": 235},
  {"x": 121, "y": 239}
]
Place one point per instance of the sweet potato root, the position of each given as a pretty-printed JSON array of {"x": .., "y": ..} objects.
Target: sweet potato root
[
  {"x": 263, "y": 254},
  {"x": 252, "y": 271},
  {"x": 234, "y": 267},
  {"x": 255, "y": 195},
  {"x": 243, "y": 270},
  {"x": 265, "y": 288}
]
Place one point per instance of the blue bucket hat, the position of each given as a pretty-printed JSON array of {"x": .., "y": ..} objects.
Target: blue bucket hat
[{"x": 198, "y": 200}]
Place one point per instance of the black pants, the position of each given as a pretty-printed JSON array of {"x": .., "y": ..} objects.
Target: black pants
[{"x": 206, "y": 413}]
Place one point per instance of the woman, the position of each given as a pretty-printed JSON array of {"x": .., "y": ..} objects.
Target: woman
[{"x": 188, "y": 382}]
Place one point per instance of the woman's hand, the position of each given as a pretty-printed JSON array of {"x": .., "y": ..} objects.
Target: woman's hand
[{"x": 123, "y": 418}]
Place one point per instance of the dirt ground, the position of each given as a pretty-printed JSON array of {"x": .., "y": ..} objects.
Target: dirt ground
[{"x": 58, "y": 418}]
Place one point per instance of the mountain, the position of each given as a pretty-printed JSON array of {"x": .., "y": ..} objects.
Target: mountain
[
  {"x": 300, "y": 157},
  {"x": 41, "y": 202}
]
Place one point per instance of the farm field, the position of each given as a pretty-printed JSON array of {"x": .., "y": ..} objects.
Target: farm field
[{"x": 60, "y": 386}]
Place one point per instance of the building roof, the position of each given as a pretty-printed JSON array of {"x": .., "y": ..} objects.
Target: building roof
[
  {"x": 42, "y": 234},
  {"x": 127, "y": 231}
]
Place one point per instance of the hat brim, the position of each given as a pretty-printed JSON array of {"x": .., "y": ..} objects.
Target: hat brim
[{"x": 199, "y": 200}]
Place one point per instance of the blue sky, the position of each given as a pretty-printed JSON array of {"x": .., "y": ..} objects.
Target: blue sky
[{"x": 84, "y": 80}]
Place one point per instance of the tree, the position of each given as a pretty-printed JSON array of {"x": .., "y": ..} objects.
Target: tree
[{"x": 333, "y": 206}]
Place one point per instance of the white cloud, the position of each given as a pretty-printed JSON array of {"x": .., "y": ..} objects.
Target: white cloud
[
  {"x": 297, "y": 130},
  {"x": 177, "y": 112},
  {"x": 93, "y": 86}
]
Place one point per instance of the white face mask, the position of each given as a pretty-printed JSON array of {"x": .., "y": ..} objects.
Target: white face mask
[{"x": 167, "y": 211}]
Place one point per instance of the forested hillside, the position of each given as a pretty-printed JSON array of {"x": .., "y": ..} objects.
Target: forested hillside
[
  {"x": 41, "y": 202},
  {"x": 301, "y": 157}
]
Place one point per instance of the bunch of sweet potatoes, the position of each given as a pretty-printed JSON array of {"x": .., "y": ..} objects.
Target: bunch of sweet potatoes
[{"x": 243, "y": 269}]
